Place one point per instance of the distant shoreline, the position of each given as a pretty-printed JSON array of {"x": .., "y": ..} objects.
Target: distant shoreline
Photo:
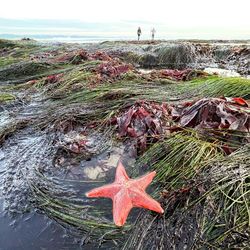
[{"x": 128, "y": 41}]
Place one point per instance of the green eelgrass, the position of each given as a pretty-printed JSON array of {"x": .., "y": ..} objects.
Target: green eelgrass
[
  {"x": 6, "y": 97},
  {"x": 183, "y": 160},
  {"x": 212, "y": 212},
  {"x": 229, "y": 193},
  {"x": 213, "y": 86},
  {"x": 10, "y": 128},
  {"x": 81, "y": 220},
  {"x": 179, "y": 157},
  {"x": 177, "y": 160}
]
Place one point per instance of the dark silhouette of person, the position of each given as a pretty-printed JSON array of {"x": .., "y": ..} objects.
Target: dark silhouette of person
[
  {"x": 139, "y": 33},
  {"x": 153, "y": 33}
]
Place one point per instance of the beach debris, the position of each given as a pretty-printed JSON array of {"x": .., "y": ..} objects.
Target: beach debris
[{"x": 127, "y": 193}]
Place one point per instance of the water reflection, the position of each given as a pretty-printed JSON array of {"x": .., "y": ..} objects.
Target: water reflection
[{"x": 29, "y": 152}]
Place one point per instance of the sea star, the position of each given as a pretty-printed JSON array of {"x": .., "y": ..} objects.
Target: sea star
[{"x": 127, "y": 193}]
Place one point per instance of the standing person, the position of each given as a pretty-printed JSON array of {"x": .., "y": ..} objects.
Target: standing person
[
  {"x": 153, "y": 33},
  {"x": 139, "y": 33}
]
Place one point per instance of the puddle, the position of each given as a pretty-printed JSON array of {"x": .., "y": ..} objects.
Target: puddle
[
  {"x": 4, "y": 118},
  {"x": 32, "y": 231},
  {"x": 222, "y": 72},
  {"x": 28, "y": 152},
  {"x": 145, "y": 71},
  {"x": 35, "y": 151}
]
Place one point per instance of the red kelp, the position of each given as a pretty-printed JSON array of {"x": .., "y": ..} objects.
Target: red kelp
[
  {"x": 212, "y": 113},
  {"x": 64, "y": 58},
  {"x": 102, "y": 56},
  {"x": 76, "y": 143},
  {"x": 110, "y": 71},
  {"x": 223, "y": 119},
  {"x": 83, "y": 54},
  {"x": 80, "y": 57},
  {"x": 174, "y": 74},
  {"x": 139, "y": 122},
  {"x": 77, "y": 57},
  {"x": 32, "y": 81},
  {"x": 211, "y": 116},
  {"x": 53, "y": 78}
]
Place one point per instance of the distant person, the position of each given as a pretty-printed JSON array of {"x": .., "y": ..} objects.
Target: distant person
[
  {"x": 153, "y": 33},
  {"x": 139, "y": 33}
]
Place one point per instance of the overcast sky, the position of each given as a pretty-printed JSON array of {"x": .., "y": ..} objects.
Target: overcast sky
[
  {"x": 222, "y": 15},
  {"x": 173, "y": 13}
]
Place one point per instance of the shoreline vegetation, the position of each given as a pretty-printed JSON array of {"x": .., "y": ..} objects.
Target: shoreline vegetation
[{"x": 154, "y": 101}]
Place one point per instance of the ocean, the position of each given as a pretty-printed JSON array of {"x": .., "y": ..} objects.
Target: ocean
[
  {"x": 91, "y": 32},
  {"x": 66, "y": 38}
]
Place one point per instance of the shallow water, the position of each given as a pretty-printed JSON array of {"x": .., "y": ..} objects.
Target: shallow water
[
  {"x": 222, "y": 72},
  {"x": 29, "y": 152}
]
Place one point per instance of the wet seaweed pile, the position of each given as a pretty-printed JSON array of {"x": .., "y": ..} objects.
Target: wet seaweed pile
[
  {"x": 70, "y": 113},
  {"x": 185, "y": 54}
]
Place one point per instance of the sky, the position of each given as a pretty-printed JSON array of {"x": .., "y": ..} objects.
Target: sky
[{"x": 190, "y": 16}]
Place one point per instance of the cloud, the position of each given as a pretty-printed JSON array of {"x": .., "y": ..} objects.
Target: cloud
[
  {"x": 172, "y": 13},
  {"x": 172, "y": 19}
]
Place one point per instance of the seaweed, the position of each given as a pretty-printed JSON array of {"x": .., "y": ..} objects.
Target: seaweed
[
  {"x": 25, "y": 69},
  {"x": 191, "y": 128}
]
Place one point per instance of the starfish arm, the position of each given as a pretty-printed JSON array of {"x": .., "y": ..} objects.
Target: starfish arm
[
  {"x": 104, "y": 191},
  {"x": 121, "y": 207},
  {"x": 141, "y": 199},
  {"x": 144, "y": 181},
  {"x": 121, "y": 175}
]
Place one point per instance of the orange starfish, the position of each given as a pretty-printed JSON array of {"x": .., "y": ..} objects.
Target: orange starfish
[{"x": 127, "y": 193}]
